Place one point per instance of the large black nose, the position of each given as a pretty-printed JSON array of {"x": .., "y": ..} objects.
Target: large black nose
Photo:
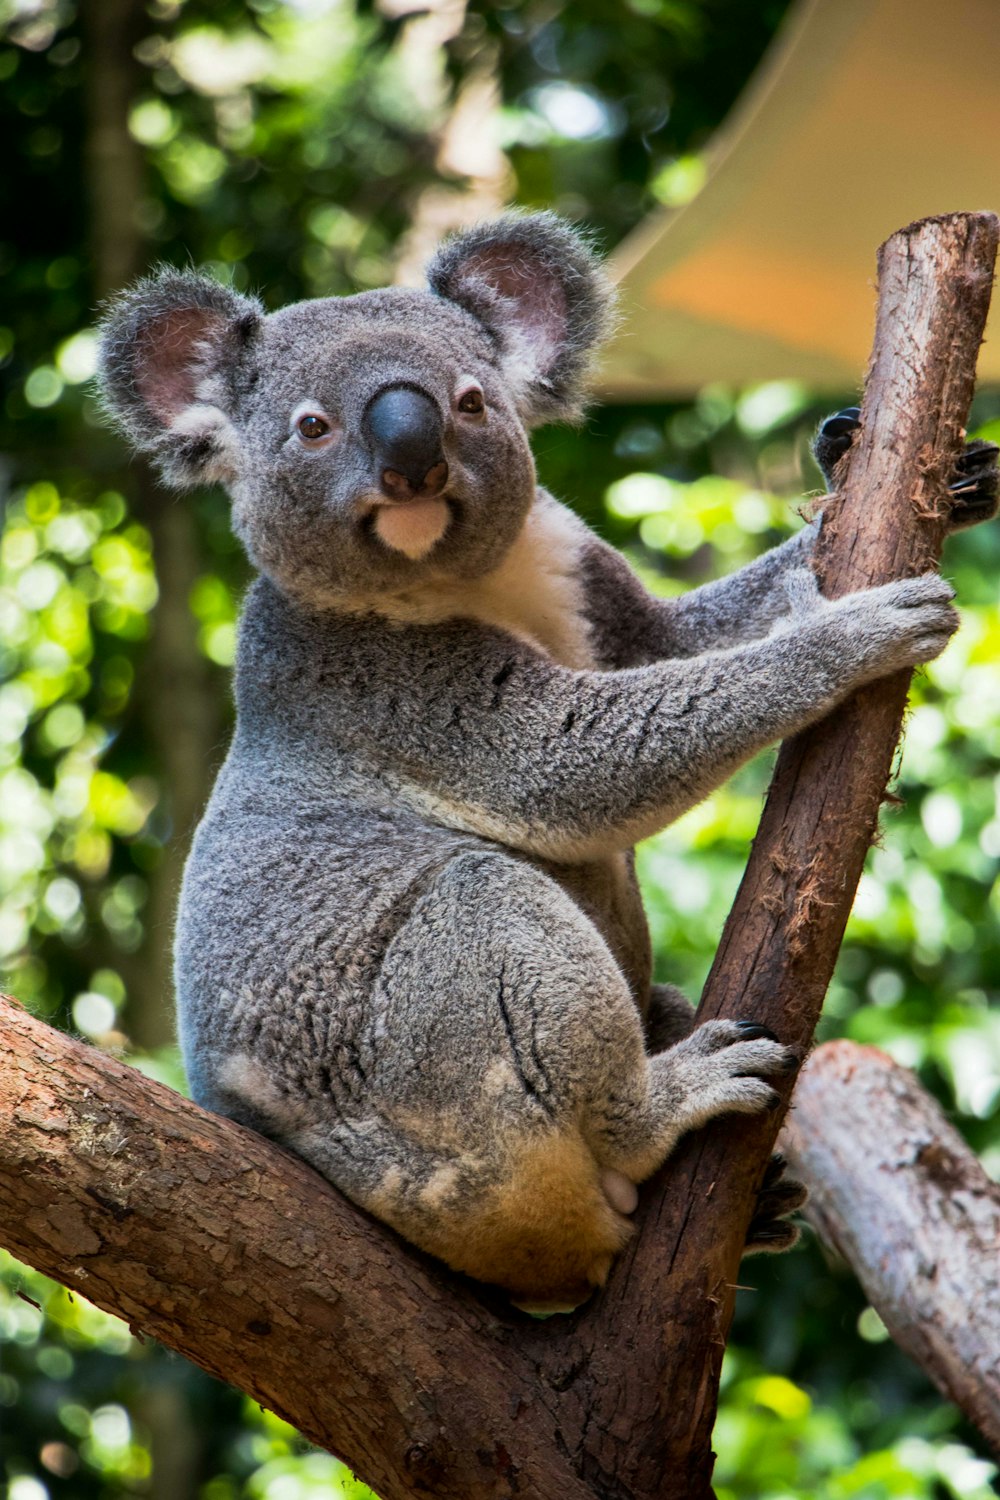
[{"x": 403, "y": 427}]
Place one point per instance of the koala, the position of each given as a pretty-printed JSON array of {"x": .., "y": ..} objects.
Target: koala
[
  {"x": 410, "y": 943},
  {"x": 974, "y": 488}
]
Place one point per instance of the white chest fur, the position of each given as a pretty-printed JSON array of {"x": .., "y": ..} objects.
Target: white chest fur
[{"x": 535, "y": 593}]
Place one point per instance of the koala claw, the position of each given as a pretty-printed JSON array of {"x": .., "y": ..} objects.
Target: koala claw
[
  {"x": 778, "y": 1196},
  {"x": 842, "y": 423},
  {"x": 974, "y": 488},
  {"x": 721, "y": 1068},
  {"x": 751, "y": 1029}
]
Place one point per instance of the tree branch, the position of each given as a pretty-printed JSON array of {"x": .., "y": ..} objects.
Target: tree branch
[
  {"x": 780, "y": 943},
  {"x": 241, "y": 1257},
  {"x": 900, "y": 1195},
  {"x": 237, "y": 1255}
]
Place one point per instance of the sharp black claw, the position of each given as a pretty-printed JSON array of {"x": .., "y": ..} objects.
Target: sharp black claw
[
  {"x": 762, "y": 1239},
  {"x": 977, "y": 454},
  {"x": 751, "y": 1031},
  {"x": 773, "y": 1174},
  {"x": 842, "y": 423},
  {"x": 767, "y": 1229}
]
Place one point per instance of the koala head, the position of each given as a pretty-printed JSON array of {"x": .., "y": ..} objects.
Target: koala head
[{"x": 373, "y": 441}]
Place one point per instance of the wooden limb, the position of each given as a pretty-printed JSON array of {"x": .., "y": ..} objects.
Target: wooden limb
[
  {"x": 239, "y": 1256},
  {"x": 899, "y": 1194},
  {"x": 677, "y": 1283}
]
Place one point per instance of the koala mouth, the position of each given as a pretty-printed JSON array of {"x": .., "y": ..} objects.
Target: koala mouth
[{"x": 412, "y": 527}]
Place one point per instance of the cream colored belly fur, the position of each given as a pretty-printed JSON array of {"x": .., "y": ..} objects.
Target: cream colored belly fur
[{"x": 548, "y": 1233}]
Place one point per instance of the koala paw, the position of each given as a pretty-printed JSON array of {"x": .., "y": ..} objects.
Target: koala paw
[
  {"x": 974, "y": 487},
  {"x": 722, "y": 1068},
  {"x": 834, "y": 438},
  {"x": 778, "y": 1197},
  {"x": 895, "y": 625}
]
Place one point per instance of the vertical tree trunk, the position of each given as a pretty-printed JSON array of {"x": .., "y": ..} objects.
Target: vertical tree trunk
[{"x": 780, "y": 943}]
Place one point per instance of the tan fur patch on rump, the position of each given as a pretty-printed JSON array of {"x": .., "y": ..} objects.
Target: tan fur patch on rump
[{"x": 547, "y": 1233}]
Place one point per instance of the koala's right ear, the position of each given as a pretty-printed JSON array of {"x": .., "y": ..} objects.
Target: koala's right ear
[{"x": 173, "y": 351}]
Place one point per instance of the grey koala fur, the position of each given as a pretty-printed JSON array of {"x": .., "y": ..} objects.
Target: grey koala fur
[{"x": 410, "y": 942}]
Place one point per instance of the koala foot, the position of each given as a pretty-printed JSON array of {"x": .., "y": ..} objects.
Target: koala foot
[
  {"x": 974, "y": 487},
  {"x": 770, "y": 1232},
  {"x": 670, "y": 1017},
  {"x": 721, "y": 1068}
]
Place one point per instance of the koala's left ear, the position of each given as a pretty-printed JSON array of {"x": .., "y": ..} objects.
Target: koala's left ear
[
  {"x": 539, "y": 290},
  {"x": 175, "y": 350}
]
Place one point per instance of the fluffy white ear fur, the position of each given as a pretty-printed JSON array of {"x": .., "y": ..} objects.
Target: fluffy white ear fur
[
  {"x": 537, "y": 288},
  {"x": 168, "y": 349},
  {"x": 207, "y": 428}
]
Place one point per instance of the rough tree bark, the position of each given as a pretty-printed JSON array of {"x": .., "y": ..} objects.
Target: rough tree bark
[
  {"x": 900, "y": 1195},
  {"x": 780, "y": 943},
  {"x": 239, "y": 1256}
]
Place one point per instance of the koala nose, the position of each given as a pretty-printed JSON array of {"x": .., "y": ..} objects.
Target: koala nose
[{"x": 403, "y": 427}]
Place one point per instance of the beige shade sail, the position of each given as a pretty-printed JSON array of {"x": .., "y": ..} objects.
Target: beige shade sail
[{"x": 865, "y": 115}]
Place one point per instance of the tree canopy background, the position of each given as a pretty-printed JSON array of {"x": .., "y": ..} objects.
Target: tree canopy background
[{"x": 320, "y": 147}]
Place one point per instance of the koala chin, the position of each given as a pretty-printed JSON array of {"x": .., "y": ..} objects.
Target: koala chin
[{"x": 410, "y": 943}]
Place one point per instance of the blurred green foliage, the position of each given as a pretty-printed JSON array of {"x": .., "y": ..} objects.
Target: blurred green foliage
[{"x": 291, "y": 147}]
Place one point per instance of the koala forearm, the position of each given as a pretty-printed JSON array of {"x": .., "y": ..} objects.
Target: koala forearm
[
  {"x": 630, "y": 626},
  {"x": 744, "y": 605},
  {"x": 572, "y": 764}
]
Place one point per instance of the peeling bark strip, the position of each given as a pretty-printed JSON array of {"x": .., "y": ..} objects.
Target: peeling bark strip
[
  {"x": 899, "y": 1193},
  {"x": 239, "y": 1256}
]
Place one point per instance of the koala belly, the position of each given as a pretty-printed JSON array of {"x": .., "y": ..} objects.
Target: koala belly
[{"x": 483, "y": 1094}]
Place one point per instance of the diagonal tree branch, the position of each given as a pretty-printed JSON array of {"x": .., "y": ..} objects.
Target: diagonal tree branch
[
  {"x": 239, "y": 1256},
  {"x": 903, "y": 1198},
  {"x": 780, "y": 943}
]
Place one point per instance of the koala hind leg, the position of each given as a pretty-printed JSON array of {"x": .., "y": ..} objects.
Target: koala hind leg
[{"x": 721, "y": 1068}]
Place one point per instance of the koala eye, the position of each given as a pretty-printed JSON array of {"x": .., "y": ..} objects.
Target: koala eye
[
  {"x": 312, "y": 427},
  {"x": 471, "y": 402}
]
